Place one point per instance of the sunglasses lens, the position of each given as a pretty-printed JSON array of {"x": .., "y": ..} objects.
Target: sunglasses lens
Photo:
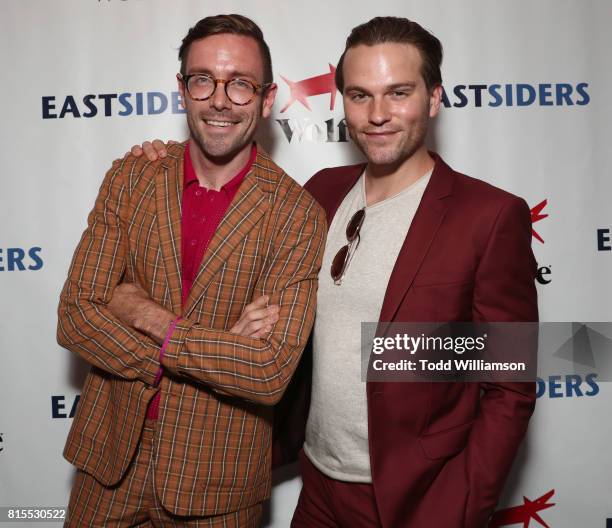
[
  {"x": 337, "y": 267},
  {"x": 352, "y": 232},
  {"x": 352, "y": 229}
]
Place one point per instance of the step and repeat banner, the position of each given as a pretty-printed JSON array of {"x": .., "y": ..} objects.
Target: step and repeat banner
[{"x": 526, "y": 106}]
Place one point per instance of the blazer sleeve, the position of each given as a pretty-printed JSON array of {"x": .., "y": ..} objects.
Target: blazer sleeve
[
  {"x": 85, "y": 325},
  {"x": 504, "y": 291},
  {"x": 254, "y": 369}
]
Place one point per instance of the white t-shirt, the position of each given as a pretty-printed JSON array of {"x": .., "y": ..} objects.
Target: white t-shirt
[{"x": 337, "y": 429}]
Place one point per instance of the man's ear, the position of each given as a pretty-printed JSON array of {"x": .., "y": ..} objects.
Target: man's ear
[
  {"x": 434, "y": 101},
  {"x": 268, "y": 100},
  {"x": 181, "y": 89}
]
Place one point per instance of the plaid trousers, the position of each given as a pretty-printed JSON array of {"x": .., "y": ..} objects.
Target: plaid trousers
[{"x": 133, "y": 501}]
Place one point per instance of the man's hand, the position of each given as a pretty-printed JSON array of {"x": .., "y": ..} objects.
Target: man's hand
[
  {"x": 153, "y": 151},
  {"x": 257, "y": 319},
  {"x": 133, "y": 307}
]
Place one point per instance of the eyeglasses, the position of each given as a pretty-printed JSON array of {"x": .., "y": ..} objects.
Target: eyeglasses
[
  {"x": 239, "y": 91},
  {"x": 342, "y": 258}
]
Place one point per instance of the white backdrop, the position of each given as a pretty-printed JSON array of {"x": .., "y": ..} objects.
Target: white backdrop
[{"x": 529, "y": 109}]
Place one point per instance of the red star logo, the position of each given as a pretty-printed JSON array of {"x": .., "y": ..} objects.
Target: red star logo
[
  {"x": 523, "y": 513},
  {"x": 536, "y": 216},
  {"x": 321, "y": 84}
]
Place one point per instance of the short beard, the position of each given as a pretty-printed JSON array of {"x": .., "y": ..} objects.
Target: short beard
[
  {"x": 218, "y": 159},
  {"x": 207, "y": 147},
  {"x": 209, "y": 150},
  {"x": 395, "y": 158}
]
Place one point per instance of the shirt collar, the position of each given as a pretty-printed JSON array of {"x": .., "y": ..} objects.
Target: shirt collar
[{"x": 190, "y": 177}]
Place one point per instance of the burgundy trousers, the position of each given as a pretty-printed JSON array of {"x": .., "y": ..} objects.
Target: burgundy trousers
[{"x": 329, "y": 503}]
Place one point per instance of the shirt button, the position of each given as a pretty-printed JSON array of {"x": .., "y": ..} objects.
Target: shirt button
[
  {"x": 198, "y": 192},
  {"x": 194, "y": 242},
  {"x": 194, "y": 215},
  {"x": 203, "y": 219}
]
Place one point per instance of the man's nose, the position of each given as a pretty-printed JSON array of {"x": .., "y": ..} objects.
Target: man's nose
[
  {"x": 219, "y": 100},
  {"x": 379, "y": 112}
]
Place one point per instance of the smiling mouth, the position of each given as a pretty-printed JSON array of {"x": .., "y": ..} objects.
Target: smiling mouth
[
  {"x": 380, "y": 136},
  {"x": 380, "y": 133},
  {"x": 221, "y": 124}
]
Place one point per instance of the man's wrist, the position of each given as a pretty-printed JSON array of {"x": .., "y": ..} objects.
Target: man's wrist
[
  {"x": 154, "y": 321},
  {"x": 162, "y": 350}
]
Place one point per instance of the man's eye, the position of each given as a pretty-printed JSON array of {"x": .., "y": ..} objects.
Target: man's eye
[
  {"x": 358, "y": 97},
  {"x": 241, "y": 83},
  {"x": 399, "y": 94},
  {"x": 202, "y": 80}
]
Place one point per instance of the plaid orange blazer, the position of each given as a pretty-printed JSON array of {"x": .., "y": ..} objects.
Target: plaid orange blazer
[{"x": 213, "y": 436}]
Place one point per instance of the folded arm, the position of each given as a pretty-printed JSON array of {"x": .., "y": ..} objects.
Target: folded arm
[
  {"x": 259, "y": 369},
  {"x": 86, "y": 326}
]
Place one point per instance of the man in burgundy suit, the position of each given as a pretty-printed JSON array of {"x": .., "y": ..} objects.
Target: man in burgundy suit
[
  {"x": 433, "y": 245},
  {"x": 409, "y": 240}
]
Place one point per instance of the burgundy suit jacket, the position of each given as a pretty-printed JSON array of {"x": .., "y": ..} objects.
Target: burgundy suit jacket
[{"x": 440, "y": 452}]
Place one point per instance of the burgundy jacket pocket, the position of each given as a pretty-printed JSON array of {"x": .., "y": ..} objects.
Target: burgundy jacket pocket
[{"x": 446, "y": 443}]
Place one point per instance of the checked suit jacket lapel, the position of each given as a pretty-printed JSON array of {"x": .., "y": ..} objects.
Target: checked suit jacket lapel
[
  {"x": 168, "y": 197},
  {"x": 248, "y": 206}
]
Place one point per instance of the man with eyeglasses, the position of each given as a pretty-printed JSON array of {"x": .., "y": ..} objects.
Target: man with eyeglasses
[
  {"x": 409, "y": 240},
  {"x": 166, "y": 299}
]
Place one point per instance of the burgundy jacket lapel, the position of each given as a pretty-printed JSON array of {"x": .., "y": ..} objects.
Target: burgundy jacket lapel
[
  {"x": 423, "y": 229},
  {"x": 330, "y": 186}
]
